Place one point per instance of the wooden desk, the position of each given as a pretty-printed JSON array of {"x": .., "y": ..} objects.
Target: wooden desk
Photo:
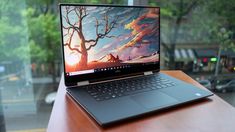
[{"x": 211, "y": 115}]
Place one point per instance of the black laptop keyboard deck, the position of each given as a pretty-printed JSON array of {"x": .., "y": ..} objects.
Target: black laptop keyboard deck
[{"x": 119, "y": 88}]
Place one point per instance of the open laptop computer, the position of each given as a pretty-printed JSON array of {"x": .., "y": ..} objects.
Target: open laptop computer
[{"x": 111, "y": 62}]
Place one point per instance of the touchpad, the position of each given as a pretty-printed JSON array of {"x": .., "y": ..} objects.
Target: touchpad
[{"x": 154, "y": 99}]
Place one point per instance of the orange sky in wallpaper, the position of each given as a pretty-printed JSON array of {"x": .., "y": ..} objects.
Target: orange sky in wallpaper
[{"x": 138, "y": 31}]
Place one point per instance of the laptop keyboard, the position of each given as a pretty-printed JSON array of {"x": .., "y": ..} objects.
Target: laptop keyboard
[{"x": 119, "y": 88}]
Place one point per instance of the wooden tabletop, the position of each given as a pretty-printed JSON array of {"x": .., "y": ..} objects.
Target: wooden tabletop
[{"x": 210, "y": 115}]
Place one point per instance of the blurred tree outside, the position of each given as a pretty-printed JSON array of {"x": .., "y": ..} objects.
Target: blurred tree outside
[
  {"x": 14, "y": 49},
  {"x": 174, "y": 15},
  {"x": 225, "y": 11},
  {"x": 195, "y": 18},
  {"x": 44, "y": 39},
  {"x": 12, "y": 35},
  {"x": 224, "y": 32},
  {"x": 224, "y": 38}
]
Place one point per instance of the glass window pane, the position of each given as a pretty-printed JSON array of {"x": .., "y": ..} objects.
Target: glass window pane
[
  {"x": 30, "y": 61},
  {"x": 204, "y": 30}
]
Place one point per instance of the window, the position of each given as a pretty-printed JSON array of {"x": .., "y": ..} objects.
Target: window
[
  {"x": 30, "y": 61},
  {"x": 198, "y": 38}
]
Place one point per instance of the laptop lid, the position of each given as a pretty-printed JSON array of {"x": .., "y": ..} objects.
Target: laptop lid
[{"x": 105, "y": 41}]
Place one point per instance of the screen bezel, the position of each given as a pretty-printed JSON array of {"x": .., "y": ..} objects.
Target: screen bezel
[{"x": 104, "y": 75}]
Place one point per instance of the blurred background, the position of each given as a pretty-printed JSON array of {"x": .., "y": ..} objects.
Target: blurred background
[{"x": 197, "y": 36}]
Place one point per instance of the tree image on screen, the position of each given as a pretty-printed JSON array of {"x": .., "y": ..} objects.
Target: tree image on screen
[
  {"x": 81, "y": 13},
  {"x": 97, "y": 37}
]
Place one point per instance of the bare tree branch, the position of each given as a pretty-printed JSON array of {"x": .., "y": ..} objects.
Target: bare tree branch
[
  {"x": 69, "y": 43},
  {"x": 67, "y": 28},
  {"x": 67, "y": 16},
  {"x": 83, "y": 9},
  {"x": 107, "y": 28},
  {"x": 81, "y": 13},
  {"x": 73, "y": 26}
]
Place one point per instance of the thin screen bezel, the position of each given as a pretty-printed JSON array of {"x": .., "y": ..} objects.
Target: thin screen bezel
[{"x": 92, "y": 77}]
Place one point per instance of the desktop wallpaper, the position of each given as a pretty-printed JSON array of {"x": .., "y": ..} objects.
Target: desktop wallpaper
[{"x": 99, "y": 37}]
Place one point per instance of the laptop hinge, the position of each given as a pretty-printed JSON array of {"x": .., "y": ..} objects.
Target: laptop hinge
[
  {"x": 83, "y": 83},
  {"x": 148, "y": 73}
]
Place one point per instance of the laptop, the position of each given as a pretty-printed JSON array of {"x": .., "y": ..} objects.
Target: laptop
[{"x": 111, "y": 57}]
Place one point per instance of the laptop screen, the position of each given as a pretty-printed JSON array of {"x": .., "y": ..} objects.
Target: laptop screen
[{"x": 106, "y": 39}]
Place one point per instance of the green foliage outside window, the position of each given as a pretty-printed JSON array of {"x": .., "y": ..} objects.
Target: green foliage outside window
[{"x": 194, "y": 21}]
